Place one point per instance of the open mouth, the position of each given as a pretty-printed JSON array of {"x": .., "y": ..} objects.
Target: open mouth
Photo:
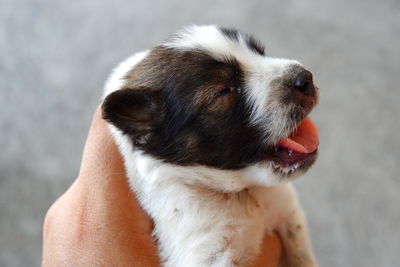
[{"x": 298, "y": 151}]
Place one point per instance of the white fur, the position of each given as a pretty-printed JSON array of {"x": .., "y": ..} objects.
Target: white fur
[{"x": 205, "y": 216}]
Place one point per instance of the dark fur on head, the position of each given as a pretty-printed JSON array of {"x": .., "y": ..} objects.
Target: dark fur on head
[{"x": 174, "y": 107}]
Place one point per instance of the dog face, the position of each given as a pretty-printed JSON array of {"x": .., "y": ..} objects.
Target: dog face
[{"x": 211, "y": 97}]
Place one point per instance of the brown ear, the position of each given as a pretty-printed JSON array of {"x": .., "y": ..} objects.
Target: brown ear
[{"x": 133, "y": 111}]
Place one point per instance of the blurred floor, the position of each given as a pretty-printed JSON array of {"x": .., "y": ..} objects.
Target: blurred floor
[{"x": 55, "y": 56}]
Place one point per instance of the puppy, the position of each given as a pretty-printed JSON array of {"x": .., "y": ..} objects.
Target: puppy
[{"x": 212, "y": 131}]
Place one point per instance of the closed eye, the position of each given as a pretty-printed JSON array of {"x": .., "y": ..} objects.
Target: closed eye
[{"x": 226, "y": 91}]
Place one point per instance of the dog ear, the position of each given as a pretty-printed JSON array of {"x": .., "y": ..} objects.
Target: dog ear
[{"x": 133, "y": 111}]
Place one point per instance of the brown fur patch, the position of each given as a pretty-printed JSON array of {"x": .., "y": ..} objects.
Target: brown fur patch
[{"x": 186, "y": 68}]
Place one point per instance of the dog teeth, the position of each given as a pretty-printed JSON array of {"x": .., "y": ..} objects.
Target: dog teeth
[
  {"x": 290, "y": 152},
  {"x": 286, "y": 170}
]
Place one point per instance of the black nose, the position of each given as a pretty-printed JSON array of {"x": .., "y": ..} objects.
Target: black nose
[{"x": 304, "y": 83}]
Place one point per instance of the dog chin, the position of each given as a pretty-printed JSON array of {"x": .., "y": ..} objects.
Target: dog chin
[
  {"x": 272, "y": 173},
  {"x": 289, "y": 172}
]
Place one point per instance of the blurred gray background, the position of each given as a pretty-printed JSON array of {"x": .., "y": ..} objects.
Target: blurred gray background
[{"x": 55, "y": 56}]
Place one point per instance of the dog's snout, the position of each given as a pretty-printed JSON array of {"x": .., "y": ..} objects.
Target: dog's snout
[
  {"x": 297, "y": 87},
  {"x": 303, "y": 83}
]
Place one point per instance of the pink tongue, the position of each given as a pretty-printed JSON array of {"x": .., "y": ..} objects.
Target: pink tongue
[{"x": 304, "y": 138}]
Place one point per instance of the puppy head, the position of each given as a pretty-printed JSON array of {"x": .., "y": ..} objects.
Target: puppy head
[{"x": 211, "y": 97}]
